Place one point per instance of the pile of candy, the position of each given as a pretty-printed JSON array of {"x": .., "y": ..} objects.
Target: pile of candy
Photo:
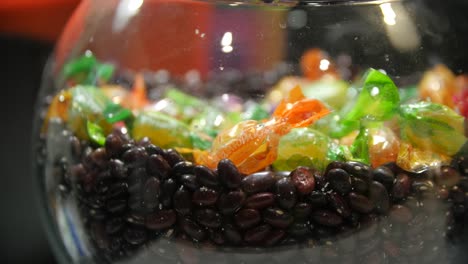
[{"x": 316, "y": 159}]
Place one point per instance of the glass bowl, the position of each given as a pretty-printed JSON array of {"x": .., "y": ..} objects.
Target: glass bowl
[{"x": 186, "y": 131}]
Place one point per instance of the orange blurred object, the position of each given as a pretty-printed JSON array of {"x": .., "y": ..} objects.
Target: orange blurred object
[
  {"x": 37, "y": 19},
  {"x": 438, "y": 86},
  {"x": 316, "y": 64}
]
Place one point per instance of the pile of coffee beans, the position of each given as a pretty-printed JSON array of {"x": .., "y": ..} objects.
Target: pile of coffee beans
[{"x": 134, "y": 195}]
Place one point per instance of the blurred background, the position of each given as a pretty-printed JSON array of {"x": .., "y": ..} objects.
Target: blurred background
[{"x": 28, "y": 30}]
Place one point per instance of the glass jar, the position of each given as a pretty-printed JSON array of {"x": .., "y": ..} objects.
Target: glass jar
[{"x": 186, "y": 131}]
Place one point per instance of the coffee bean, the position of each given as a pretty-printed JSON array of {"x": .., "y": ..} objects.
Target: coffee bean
[
  {"x": 114, "y": 145},
  {"x": 317, "y": 199},
  {"x": 285, "y": 193},
  {"x": 135, "y": 157},
  {"x": 114, "y": 225},
  {"x": 136, "y": 180},
  {"x": 99, "y": 158},
  {"x": 217, "y": 237},
  {"x": 158, "y": 166},
  {"x": 258, "y": 182},
  {"x": 151, "y": 192},
  {"x": 229, "y": 174},
  {"x": 422, "y": 186},
  {"x": 299, "y": 229},
  {"x": 135, "y": 218},
  {"x": 339, "y": 180},
  {"x": 183, "y": 201},
  {"x": 335, "y": 165},
  {"x": 400, "y": 214},
  {"x": 384, "y": 175},
  {"x": 301, "y": 211},
  {"x": 189, "y": 181},
  {"x": 204, "y": 197},
  {"x": 378, "y": 195},
  {"x": 117, "y": 169},
  {"x": 339, "y": 204},
  {"x": 208, "y": 218},
  {"x": 274, "y": 237},
  {"x": 135, "y": 236},
  {"x": 277, "y": 217},
  {"x": 232, "y": 235},
  {"x": 360, "y": 203},
  {"x": 231, "y": 202},
  {"x": 172, "y": 157},
  {"x": 183, "y": 167},
  {"x": 116, "y": 206},
  {"x": 447, "y": 176},
  {"x": 457, "y": 194},
  {"x": 192, "y": 229},
  {"x": 135, "y": 202},
  {"x": 161, "y": 220},
  {"x": 168, "y": 188},
  {"x": 99, "y": 235},
  {"x": 257, "y": 234},
  {"x": 151, "y": 149},
  {"x": 359, "y": 186},
  {"x": 247, "y": 218},
  {"x": 402, "y": 186},
  {"x": 205, "y": 176},
  {"x": 303, "y": 179},
  {"x": 359, "y": 170},
  {"x": 260, "y": 200},
  {"x": 327, "y": 218}
]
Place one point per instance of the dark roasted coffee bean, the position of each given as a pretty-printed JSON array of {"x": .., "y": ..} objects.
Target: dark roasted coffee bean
[
  {"x": 274, "y": 237},
  {"x": 447, "y": 176},
  {"x": 135, "y": 236},
  {"x": 217, "y": 237},
  {"x": 317, "y": 199},
  {"x": 360, "y": 203},
  {"x": 422, "y": 187},
  {"x": 100, "y": 158},
  {"x": 143, "y": 142},
  {"x": 99, "y": 235},
  {"x": 135, "y": 218},
  {"x": 285, "y": 193},
  {"x": 204, "y": 197},
  {"x": 229, "y": 203},
  {"x": 135, "y": 202},
  {"x": 136, "y": 180},
  {"x": 301, "y": 211},
  {"x": 358, "y": 169},
  {"x": 400, "y": 214},
  {"x": 151, "y": 192},
  {"x": 339, "y": 204},
  {"x": 183, "y": 167},
  {"x": 158, "y": 166},
  {"x": 205, "y": 176},
  {"x": 97, "y": 214},
  {"x": 299, "y": 229},
  {"x": 183, "y": 201},
  {"x": 172, "y": 157},
  {"x": 116, "y": 206},
  {"x": 161, "y": 220},
  {"x": 277, "y": 217},
  {"x": 168, "y": 188},
  {"x": 247, "y": 218},
  {"x": 114, "y": 145},
  {"x": 189, "y": 181},
  {"x": 401, "y": 187},
  {"x": 327, "y": 218},
  {"x": 114, "y": 225},
  {"x": 303, "y": 179},
  {"x": 232, "y": 235},
  {"x": 193, "y": 229},
  {"x": 229, "y": 174},
  {"x": 378, "y": 195},
  {"x": 135, "y": 157},
  {"x": 78, "y": 172},
  {"x": 260, "y": 200},
  {"x": 208, "y": 217},
  {"x": 102, "y": 185},
  {"x": 339, "y": 180},
  {"x": 359, "y": 186},
  {"x": 335, "y": 165},
  {"x": 153, "y": 150},
  {"x": 258, "y": 182},
  {"x": 256, "y": 234},
  {"x": 457, "y": 195},
  {"x": 117, "y": 169},
  {"x": 384, "y": 175}
]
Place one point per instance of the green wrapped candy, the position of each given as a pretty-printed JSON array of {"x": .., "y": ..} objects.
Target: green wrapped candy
[{"x": 432, "y": 127}]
